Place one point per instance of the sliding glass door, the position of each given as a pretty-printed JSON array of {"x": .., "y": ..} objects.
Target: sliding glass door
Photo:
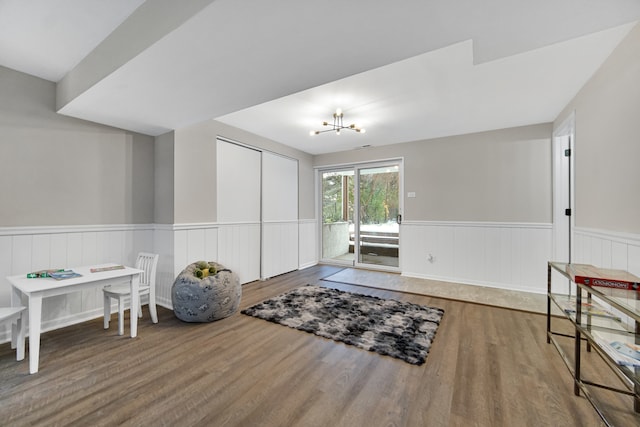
[
  {"x": 337, "y": 216},
  {"x": 361, "y": 211},
  {"x": 377, "y": 230}
]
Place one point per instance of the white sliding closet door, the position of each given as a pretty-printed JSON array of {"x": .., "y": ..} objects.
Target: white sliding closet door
[
  {"x": 279, "y": 215},
  {"x": 238, "y": 207}
]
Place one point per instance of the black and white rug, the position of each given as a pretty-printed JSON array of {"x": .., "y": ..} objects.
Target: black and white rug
[{"x": 393, "y": 328}]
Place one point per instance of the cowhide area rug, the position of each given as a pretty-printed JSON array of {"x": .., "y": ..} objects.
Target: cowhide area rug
[{"x": 393, "y": 328}]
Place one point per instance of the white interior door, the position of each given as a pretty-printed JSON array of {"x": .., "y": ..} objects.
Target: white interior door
[
  {"x": 239, "y": 209},
  {"x": 563, "y": 146},
  {"x": 279, "y": 214},
  {"x": 562, "y": 199}
]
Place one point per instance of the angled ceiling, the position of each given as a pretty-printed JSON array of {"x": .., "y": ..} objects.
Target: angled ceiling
[{"x": 278, "y": 68}]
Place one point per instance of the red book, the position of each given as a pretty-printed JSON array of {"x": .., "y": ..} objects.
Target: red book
[{"x": 592, "y": 276}]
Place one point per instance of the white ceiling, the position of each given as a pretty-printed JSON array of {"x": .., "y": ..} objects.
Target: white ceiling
[
  {"x": 47, "y": 38},
  {"x": 405, "y": 71}
]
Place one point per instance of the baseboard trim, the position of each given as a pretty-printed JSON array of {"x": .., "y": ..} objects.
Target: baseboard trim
[{"x": 307, "y": 265}]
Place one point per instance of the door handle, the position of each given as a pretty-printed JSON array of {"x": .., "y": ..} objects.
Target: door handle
[{"x": 399, "y": 219}]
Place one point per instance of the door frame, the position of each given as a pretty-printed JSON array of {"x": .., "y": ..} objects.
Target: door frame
[
  {"x": 319, "y": 209},
  {"x": 563, "y": 189},
  {"x": 355, "y": 167}
]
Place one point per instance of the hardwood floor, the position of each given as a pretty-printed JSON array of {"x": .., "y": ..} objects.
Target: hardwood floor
[{"x": 487, "y": 367}]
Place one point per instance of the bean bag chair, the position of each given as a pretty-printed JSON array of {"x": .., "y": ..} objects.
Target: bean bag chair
[{"x": 204, "y": 292}]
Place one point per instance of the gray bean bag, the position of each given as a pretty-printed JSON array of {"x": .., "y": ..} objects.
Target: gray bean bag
[{"x": 205, "y": 299}]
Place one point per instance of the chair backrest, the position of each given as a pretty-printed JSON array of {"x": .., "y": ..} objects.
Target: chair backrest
[{"x": 149, "y": 263}]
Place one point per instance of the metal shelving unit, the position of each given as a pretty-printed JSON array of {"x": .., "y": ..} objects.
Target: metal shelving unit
[{"x": 613, "y": 316}]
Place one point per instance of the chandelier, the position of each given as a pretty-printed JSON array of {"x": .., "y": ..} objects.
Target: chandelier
[{"x": 337, "y": 125}]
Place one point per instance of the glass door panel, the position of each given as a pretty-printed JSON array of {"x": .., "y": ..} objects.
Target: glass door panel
[
  {"x": 377, "y": 228},
  {"x": 337, "y": 216}
]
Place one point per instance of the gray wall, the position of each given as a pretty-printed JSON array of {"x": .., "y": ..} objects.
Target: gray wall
[
  {"x": 607, "y": 144},
  {"x": 102, "y": 175},
  {"x": 164, "y": 177},
  {"x": 502, "y": 176},
  {"x": 58, "y": 170},
  {"x": 195, "y": 170}
]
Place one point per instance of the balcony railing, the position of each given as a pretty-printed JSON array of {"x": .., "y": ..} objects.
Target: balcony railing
[{"x": 381, "y": 243}]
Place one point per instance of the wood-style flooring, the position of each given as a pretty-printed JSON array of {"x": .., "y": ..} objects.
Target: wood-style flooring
[{"x": 488, "y": 366}]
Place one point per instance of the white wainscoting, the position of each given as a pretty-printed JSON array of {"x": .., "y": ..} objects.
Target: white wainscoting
[
  {"x": 234, "y": 245},
  {"x": 607, "y": 249},
  {"x": 239, "y": 249},
  {"x": 279, "y": 247},
  {"x": 237, "y": 246},
  {"x": 180, "y": 245},
  {"x": 308, "y": 243},
  {"x": 25, "y": 249},
  {"x": 500, "y": 255},
  {"x": 168, "y": 269}
]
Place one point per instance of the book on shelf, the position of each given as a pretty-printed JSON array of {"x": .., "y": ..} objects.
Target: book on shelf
[
  {"x": 603, "y": 277},
  {"x": 64, "y": 274},
  {"x": 43, "y": 273},
  {"x": 568, "y": 305},
  {"x": 624, "y": 354},
  {"x": 109, "y": 268},
  {"x": 628, "y": 349}
]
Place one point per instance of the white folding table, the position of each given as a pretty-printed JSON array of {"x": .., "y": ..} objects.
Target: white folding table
[{"x": 34, "y": 290}]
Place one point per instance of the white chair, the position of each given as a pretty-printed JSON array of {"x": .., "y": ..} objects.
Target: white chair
[
  {"x": 14, "y": 316},
  {"x": 147, "y": 262}
]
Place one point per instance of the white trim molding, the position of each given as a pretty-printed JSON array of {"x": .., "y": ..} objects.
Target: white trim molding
[
  {"x": 192, "y": 226},
  {"x": 60, "y": 229},
  {"x": 614, "y": 236},
  {"x": 607, "y": 249},
  {"x": 483, "y": 224}
]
